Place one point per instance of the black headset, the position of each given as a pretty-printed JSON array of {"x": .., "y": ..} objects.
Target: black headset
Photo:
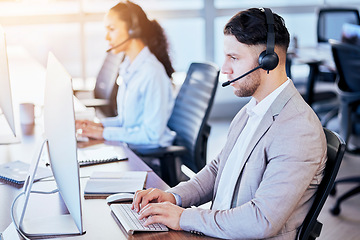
[
  {"x": 134, "y": 29},
  {"x": 268, "y": 59}
]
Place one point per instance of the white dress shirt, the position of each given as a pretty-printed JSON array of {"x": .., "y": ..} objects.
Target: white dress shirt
[
  {"x": 144, "y": 103},
  {"x": 232, "y": 168}
]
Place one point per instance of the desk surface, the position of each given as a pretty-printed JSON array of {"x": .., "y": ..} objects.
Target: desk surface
[
  {"x": 320, "y": 55},
  {"x": 97, "y": 218}
]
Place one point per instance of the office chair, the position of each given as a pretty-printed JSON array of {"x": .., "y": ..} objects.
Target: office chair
[
  {"x": 189, "y": 120},
  {"x": 329, "y": 26},
  {"x": 347, "y": 60},
  {"x": 104, "y": 94},
  {"x": 311, "y": 227}
]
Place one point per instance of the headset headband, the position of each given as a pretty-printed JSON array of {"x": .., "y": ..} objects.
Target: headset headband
[
  {"x": 270, "y": 43},
  {"x": 134, "y": 27}
]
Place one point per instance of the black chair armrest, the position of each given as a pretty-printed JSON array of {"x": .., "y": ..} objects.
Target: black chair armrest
[
  {"x": 95, "y": 102},
  {"x": 315, "y": 232},
  {"x": 160, "y": 152}
]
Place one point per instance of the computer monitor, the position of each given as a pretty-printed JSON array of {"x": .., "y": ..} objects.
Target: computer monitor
[
  {"x": 59, "y": 126},
  {"x": 8, "y": 129}
]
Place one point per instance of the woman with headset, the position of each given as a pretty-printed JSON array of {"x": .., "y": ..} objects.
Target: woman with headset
[{"x": 144, "y": 97}]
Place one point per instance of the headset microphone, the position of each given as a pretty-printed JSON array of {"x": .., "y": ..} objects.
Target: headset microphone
[
  {"x": 268, "y": 59},
  {"x": 118, "y": 44},
  {"x": 229, "y": 82}
]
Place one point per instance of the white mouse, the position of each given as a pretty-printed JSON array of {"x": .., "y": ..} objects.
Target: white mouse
[{"x": 120, "y": 197}]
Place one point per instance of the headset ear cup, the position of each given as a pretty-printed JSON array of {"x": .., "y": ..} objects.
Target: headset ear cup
[
  {"x": 268, "y": 61},
  {"x": 131, "y": 33},
  {"x": 135, "y": 33}
]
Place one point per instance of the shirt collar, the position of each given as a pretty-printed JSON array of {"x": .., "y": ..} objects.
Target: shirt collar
[
  {"x": 128, "y": 67},
  {"x": 260, "y": 109}
]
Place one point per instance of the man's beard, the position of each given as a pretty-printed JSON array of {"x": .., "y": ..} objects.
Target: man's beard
[{"x": 248, "y": 85}]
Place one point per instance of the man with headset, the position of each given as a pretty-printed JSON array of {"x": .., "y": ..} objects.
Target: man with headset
[{"x": 262, "y": 184}]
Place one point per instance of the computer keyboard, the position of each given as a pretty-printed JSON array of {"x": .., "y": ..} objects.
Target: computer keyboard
[{"x": 128, "y": 218}]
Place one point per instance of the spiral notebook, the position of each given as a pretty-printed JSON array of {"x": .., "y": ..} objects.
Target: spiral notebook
[
  {"x": 97, "y": 155},
  {"x": 17, "y": 171}
]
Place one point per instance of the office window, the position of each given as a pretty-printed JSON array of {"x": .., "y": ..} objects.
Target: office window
[
  {"x": 166, "y": 5},
  {"x": 28, "y": 8},
  {"x": 219, "y": 38},
  {"x": 148, "y": 5},
  {"x": 186, "y": 41},
  {"x": 296, "y": 23},
  {"x": 349, "y": 3},
  {"x": 62, "y": 39},
  {"x": 81, "y": 44},
  {"x": 263, "y": 3},
  {"x": 95, "y": 47}
]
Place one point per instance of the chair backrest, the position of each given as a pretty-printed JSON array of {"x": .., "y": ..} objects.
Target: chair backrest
[
  {"x": 331, "y": 20},
  {"x": 335, "y": 151},
  {"x": 347, "y": 60},
  {"x": 191, "y": 111},
  {"x": 106, "y": 87}
]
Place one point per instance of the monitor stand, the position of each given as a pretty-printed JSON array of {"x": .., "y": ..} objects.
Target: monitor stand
[{"x": 40, "y": 227}]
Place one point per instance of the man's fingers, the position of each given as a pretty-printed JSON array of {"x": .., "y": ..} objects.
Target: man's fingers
[
  {"x": 154, "y": 219},
  {"x": 151, "y": 209}
]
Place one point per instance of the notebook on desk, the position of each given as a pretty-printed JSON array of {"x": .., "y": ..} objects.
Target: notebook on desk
[
  {"x": 17, "y": 171},
  {"x": 103, "y": 184},
  {"x": 100, "y": 154}
]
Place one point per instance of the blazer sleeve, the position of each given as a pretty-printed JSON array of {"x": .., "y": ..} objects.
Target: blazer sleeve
[{"x": 200, "y": 189}]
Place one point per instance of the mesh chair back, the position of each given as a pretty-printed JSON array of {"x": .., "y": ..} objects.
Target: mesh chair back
[
  {"x": 347, "y": 61},
  {"x": 335, "y": 151},
  {"x": 191, "y": 111},
  {"x": 106, "y": 87},
  {"x": 331, "y": 20}
]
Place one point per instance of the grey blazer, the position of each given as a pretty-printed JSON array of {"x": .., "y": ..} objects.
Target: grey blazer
[{"x": 280, "y": 174}]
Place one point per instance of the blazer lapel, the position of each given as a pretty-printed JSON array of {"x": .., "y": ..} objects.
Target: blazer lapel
[
  {"x": 239, "y": 124},
  {"x": 236, "y": 128},
  {"x": 270, "y": 117}
]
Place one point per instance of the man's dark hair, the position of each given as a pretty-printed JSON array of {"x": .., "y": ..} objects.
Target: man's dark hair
[{"x": 250, "y": 28}]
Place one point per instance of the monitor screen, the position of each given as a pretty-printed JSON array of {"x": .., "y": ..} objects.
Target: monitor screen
[
  {"x": 7, "y": 119},
  {"x": 59, "y": 132},
  {"x": 59, "y": 126}
]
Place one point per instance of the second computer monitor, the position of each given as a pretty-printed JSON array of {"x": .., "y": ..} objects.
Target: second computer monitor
[{"x": 8, "y": 132}]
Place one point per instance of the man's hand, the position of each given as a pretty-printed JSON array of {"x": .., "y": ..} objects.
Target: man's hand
[
  {"x": 165, "y": 212},
  {"x": 154, "y": 195}
]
